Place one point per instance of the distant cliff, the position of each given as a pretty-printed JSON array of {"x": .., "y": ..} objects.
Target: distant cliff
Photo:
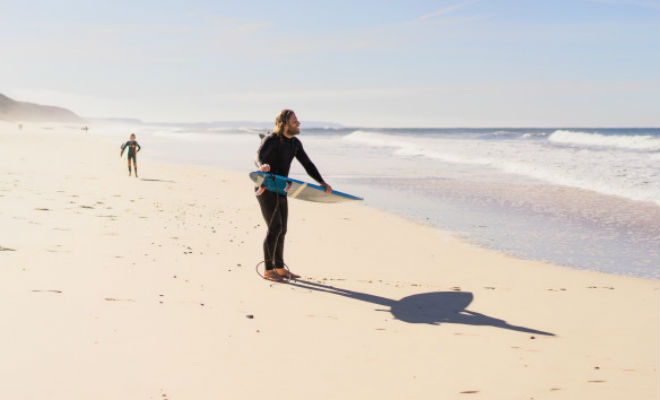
[{"x": 11, "y": 110}]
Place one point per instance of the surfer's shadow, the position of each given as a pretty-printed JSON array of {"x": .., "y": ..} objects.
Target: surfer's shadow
[
  {"x": 156, "y": 180},
  {"x": 433, "y": 308}
]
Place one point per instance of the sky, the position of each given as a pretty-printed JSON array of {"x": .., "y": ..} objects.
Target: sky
[{"x": 459, "y": 63}]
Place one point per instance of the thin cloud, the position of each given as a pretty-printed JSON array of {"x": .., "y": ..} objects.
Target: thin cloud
[{"x": 446, "y": 10}]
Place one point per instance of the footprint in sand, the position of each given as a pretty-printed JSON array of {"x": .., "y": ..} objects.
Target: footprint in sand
[
  {"x": 116, "y": 299},
  {"x": 6, "y": 249},
  {"x": 47, "y": 291}
]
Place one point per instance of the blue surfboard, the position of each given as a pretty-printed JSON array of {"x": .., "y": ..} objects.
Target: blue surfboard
[{"x": 298, "y": 189}]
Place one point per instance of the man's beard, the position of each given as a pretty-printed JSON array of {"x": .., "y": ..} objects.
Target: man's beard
[{"x": 293, "y": 130}]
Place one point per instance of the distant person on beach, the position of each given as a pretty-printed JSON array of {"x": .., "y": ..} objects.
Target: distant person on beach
[
  {"x": 133, "y": 148},
  {"x": 275, "y": 154}
]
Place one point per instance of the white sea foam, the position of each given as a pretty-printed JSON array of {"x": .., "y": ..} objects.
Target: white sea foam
[
  {"x": 373, "y": 138},
  {"x": 534, "y": 134},
  {"x": 615, "y": 172},
  {"x": 640, "y": 142}
]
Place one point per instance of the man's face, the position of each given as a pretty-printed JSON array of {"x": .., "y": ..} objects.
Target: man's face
[{"x": 293, "y": 127}]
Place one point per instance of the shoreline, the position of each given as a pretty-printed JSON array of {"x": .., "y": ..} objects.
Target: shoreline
[
  {"x": 119, "y": 287},
  {"x": 525, "y": 219}
]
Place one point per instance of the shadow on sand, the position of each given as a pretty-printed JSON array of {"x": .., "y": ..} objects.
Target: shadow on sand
[
  {"x": 156, "y": 180},
  {"x": 425, "y": 308}
]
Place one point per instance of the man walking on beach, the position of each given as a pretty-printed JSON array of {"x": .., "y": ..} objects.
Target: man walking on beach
[
  {"x": 275, "y": 154},
  {"x": 132, "y": 153}
]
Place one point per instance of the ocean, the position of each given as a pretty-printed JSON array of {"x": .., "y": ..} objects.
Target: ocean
[{"x": 586, "y": 198}]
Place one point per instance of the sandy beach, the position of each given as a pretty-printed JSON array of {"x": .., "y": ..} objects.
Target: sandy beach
[{"x": 121, "y": 288}]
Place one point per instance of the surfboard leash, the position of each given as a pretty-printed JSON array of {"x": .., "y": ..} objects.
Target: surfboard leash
[{"x": 262, "y": 275}]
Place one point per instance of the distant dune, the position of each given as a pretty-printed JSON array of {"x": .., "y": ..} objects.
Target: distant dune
[{"x": 11, "y": 110}]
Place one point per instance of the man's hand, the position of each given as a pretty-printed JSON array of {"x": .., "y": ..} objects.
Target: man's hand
[
  {"x": 328, "y": 188},
  {"x": 264, "y": 168}
]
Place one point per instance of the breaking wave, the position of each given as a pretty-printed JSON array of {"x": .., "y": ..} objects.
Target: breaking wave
[{"x": 633, "y": 142}]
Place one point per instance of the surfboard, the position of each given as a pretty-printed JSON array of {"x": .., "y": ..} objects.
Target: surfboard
[{"x": 298, "y": 189}]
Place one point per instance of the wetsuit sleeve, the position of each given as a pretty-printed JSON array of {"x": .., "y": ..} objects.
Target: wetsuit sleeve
[
  {"x": 265, "y": 150},
  {"x": 138, "y": 146},
  {"x": 309, "y": 166},
  {"x": 123, "y": 147}
]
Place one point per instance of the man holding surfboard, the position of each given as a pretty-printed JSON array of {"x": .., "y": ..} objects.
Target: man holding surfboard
[{"x": 275, "y": 155}]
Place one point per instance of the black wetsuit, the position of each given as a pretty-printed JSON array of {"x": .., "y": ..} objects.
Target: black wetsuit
[
  {"x": 132, "y": 145},
  {"x": 278, "y": 152},
  {"x": 132, "y": 152}
]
